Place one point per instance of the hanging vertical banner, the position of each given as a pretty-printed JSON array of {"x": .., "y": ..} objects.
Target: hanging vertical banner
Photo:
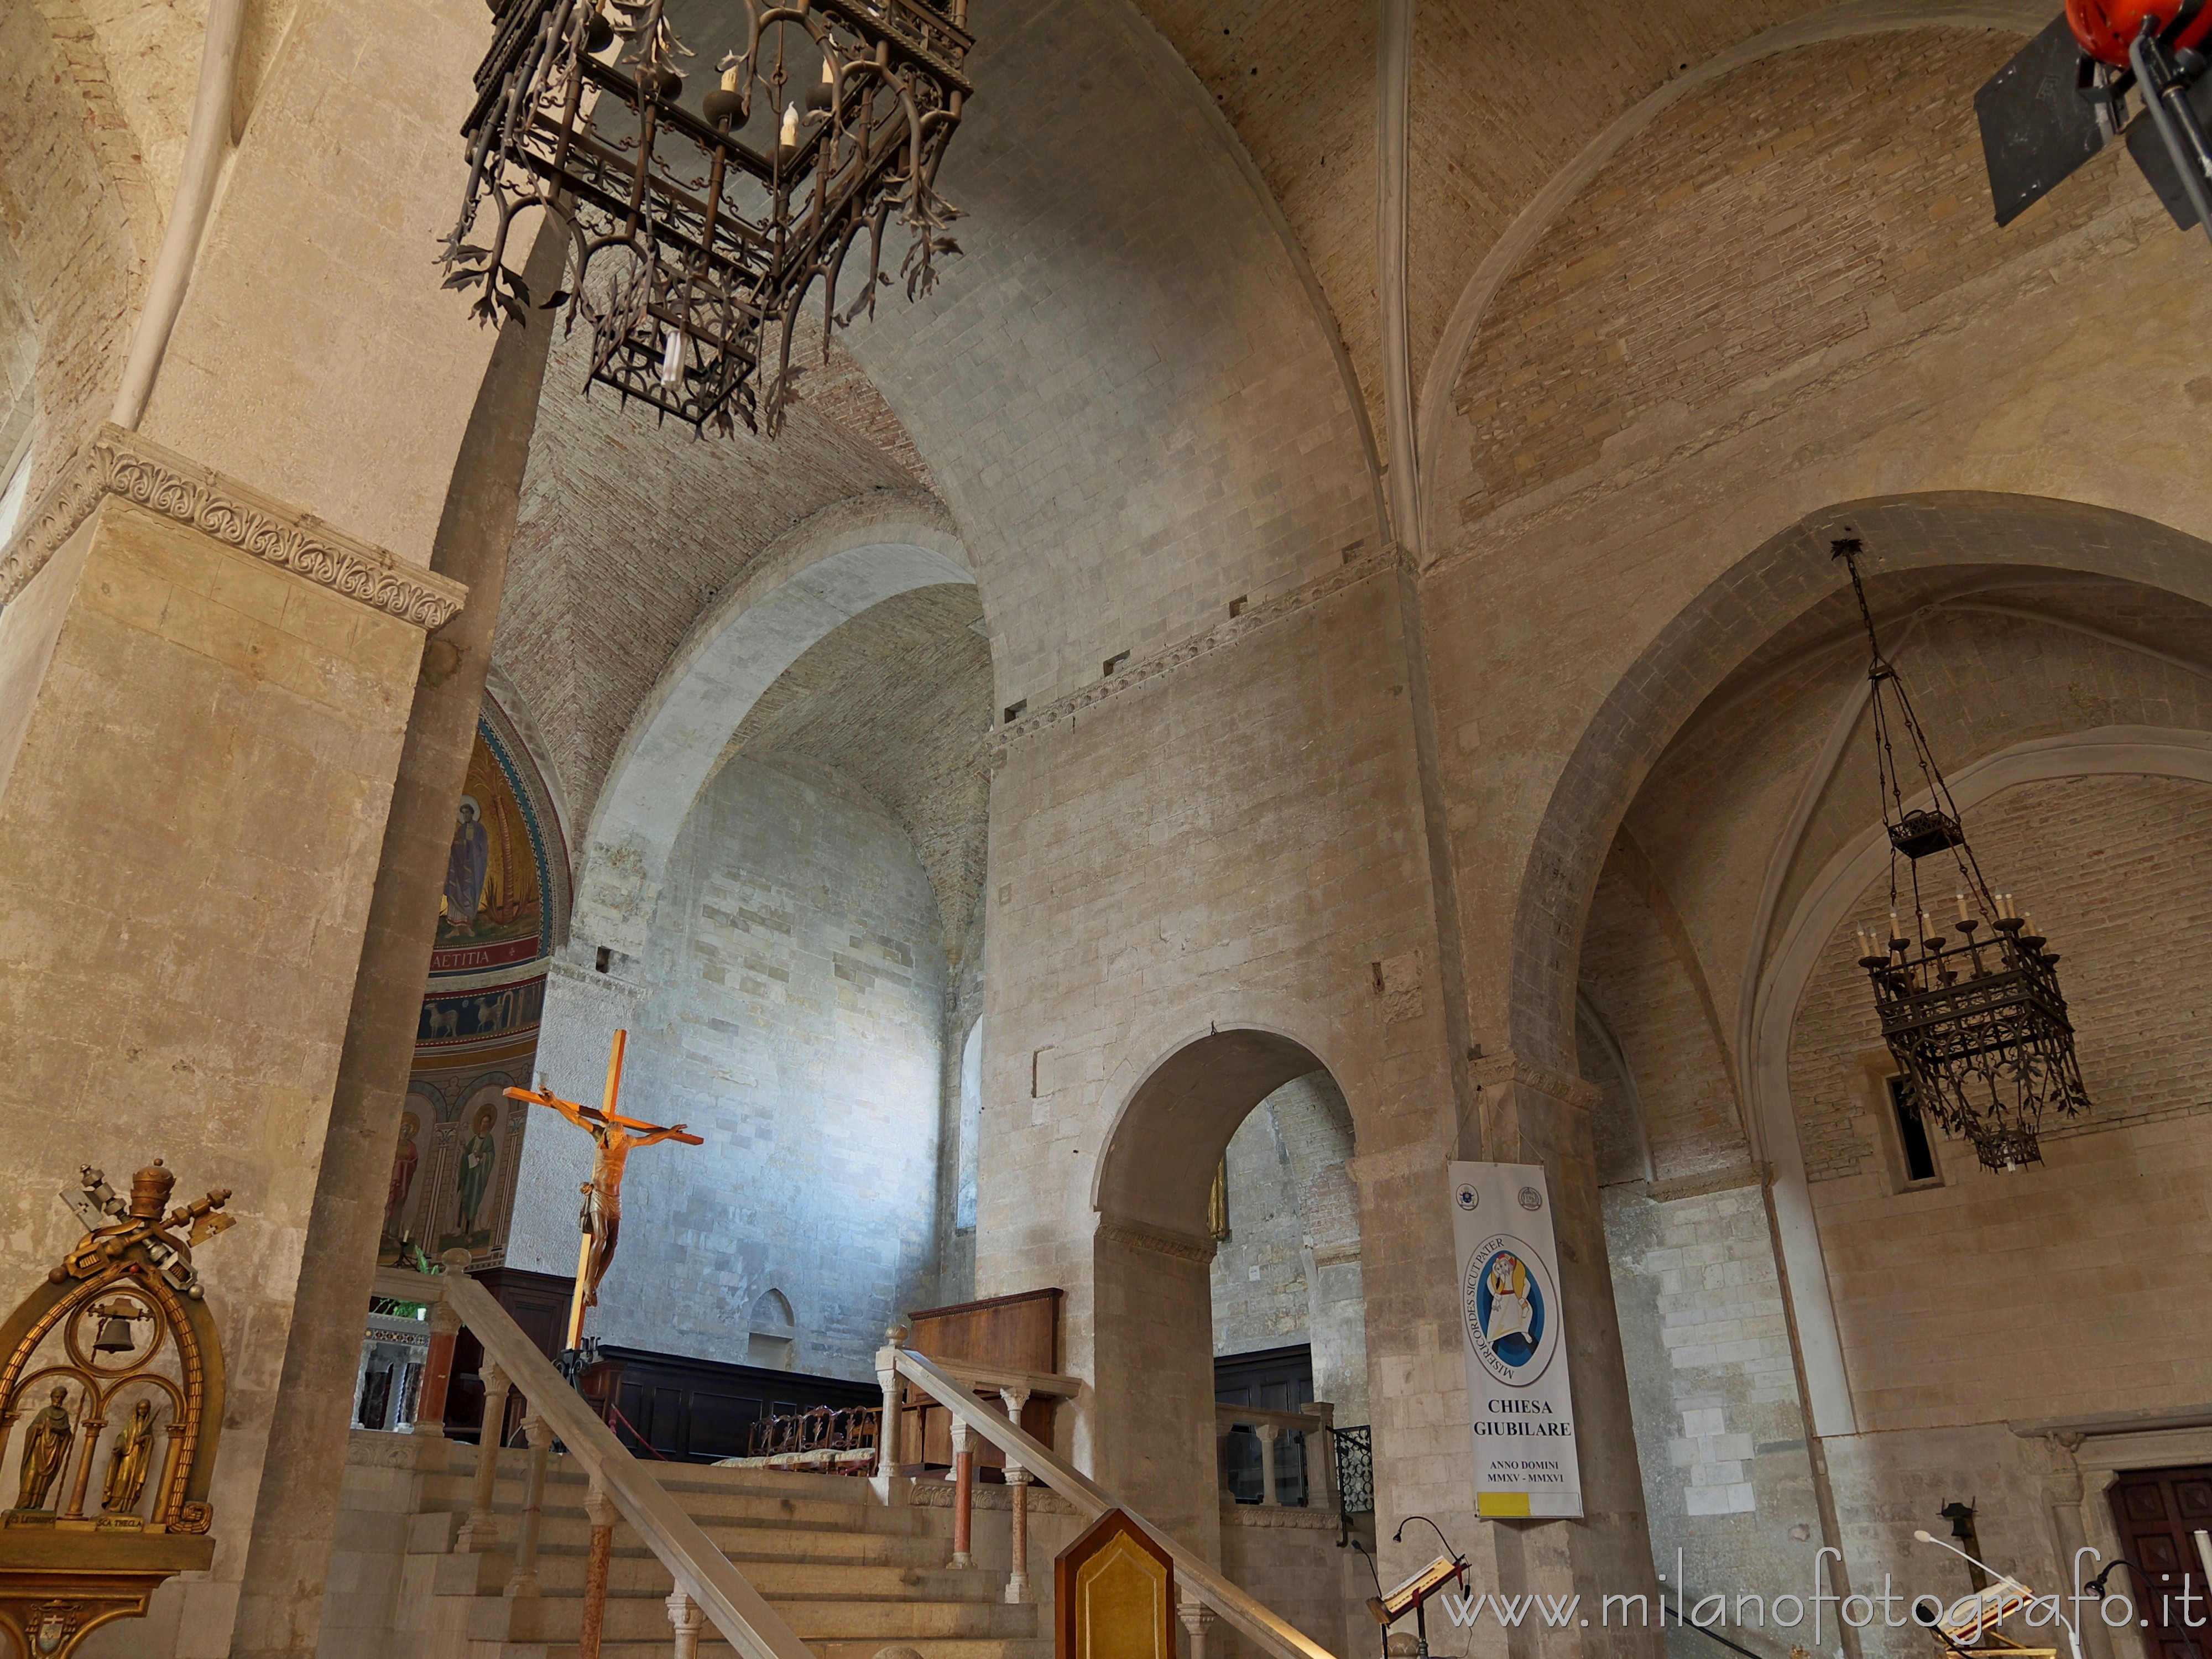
[{"x": 1519, "y": 1403}]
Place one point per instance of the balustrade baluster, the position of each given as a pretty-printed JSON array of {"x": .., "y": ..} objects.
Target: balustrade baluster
[
  {"x": 1018, "y": 1493},
  {"x": 685, "y": 1619},
  {"x": 437, "y": 1371},
  {"x": 1197, "y": 1619},
  {"x": 1268, "y": 1433},
  {"x": 963, "y": 1495},
  {"x": 599, "y": 1510},
  {"x": 887, "y": 1432},
  {"x": 480, "y": 1533},
  {"x": 534, "y": 1429}
]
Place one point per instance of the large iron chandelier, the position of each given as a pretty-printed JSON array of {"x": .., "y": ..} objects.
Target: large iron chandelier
[
  {"x": 696, "y": 231},
  {"x": 1977, "y": 1027}
]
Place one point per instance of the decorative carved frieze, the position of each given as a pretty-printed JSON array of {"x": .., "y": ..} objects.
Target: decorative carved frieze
[
  {"x": 1161, "y": 1241},
  {"x": 1494, "y": 1070},
  {"x": 135, "y": 470}
]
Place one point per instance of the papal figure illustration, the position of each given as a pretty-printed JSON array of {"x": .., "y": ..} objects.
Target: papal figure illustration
[
  {"x": 1511, "y": 1313},
  {"x": 467, "y": 862}
]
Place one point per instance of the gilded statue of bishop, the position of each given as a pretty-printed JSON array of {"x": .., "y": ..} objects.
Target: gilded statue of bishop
[
  {"x": 46, "y": 1440},
  {"x": 127, "y": 1459}
]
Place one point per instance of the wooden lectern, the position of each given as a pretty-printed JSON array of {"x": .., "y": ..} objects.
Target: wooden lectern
[{"x": 1113, "y": 1595}]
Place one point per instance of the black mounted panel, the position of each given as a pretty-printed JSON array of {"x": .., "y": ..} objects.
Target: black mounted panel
[
  {"x": 2037, "y": 124},
  {"x": 2155, "y": 161}
]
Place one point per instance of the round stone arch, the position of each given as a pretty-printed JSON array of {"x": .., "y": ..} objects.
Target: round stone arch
[
  {"x": 838, "y": 563},
  {"x": 1151, "y": 1418},
  {"x": 1736, "y": 613}
]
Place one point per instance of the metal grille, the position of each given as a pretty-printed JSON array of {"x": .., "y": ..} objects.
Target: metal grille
[{"x": 1355, "y": 1469}]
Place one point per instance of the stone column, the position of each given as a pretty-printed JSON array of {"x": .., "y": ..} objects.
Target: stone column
[
  {"x": 1153, "y": 1405},
  {"x": 203, "y": 696},
  {"x": 437, "y": 1371},
  {"x": 1528, "y": 1115},
  {"x": 685, "y": 1617},
  {"x": 280, "y": 1603},
  {"x": 1197, "y": 1619}
]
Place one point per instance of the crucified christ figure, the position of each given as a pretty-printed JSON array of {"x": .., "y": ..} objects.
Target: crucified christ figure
[
  {"x": 614, "y": 1137},
  {"x": 600, "y": 1218}
]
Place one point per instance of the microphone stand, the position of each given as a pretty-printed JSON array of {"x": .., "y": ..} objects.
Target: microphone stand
[{"x": 1421, "y": 1606}]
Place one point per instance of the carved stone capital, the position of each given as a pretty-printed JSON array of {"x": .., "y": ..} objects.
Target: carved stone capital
[
  {"x": 135, "y": 470},
  {"x": 1494, "y": 1071},
  {"x": 1161, "y": 1241}
]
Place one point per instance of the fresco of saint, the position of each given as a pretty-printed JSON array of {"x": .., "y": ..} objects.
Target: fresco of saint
[{"x": 467, "y": 862}]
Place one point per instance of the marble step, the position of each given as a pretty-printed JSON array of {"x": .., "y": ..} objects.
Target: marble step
[
  {"x": 635, "y": 1572},
  {"x": 711, "y": 1648},
  {"x": 641, "y": 1617}
]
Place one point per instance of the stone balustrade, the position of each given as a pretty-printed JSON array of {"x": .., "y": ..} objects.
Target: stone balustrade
[{"x": 1311, "y": 1425}]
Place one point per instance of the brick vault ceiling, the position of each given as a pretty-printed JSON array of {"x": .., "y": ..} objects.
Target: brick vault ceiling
[
  {"x": 897, "y": 701},
  {"x": 1503, "y": 98}
]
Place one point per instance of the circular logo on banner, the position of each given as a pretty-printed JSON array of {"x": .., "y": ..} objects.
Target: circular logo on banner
[
  {"x": 1531, "y": 1200},
  {"x": 1466, "y": 1196},
  {"x": 1511, "y": 1310}
]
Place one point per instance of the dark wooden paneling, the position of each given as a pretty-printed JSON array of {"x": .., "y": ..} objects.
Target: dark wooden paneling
[
  {"x": 537, "y": 1302},
  {"x": 2160, "y": 1511},
  {"x": 697, "y": 1410}
]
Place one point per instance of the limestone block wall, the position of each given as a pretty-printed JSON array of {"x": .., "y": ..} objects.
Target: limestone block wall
[
  {"x": 1292, "y": 1561},
  {"x": 1236, "y": 843},
  {"x": 196, "y": 751},
  {"x": 1720, "y": 1428},
  {"x": 789, "y": 1009},
  {"x": 1289, "y": 1271},
  {"x": 1157, "y": 399}
]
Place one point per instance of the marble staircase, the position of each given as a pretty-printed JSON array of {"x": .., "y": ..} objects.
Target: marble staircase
[{"x": 850, "y": 1574}]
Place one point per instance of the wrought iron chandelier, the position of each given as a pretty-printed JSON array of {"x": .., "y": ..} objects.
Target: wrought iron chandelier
[
  {"x": 1977, "y": 1027},
  {"x": 696, "y": 232}
]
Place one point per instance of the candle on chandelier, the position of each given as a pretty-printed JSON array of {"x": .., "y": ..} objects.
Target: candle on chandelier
[
  {"x": 1962, "y": 907},
  {"x": 1894, "y": 931},
  {"x": 789, "y": 140}
]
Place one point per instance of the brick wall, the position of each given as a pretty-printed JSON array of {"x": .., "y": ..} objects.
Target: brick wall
[
  {"x": 1754, "y": 223},
  {"x": 2112, "y": 869},
  {"x": 2106, "y": 866},
  {"x": 626, "y": 531},
  {"x": 71, "y": 269}
]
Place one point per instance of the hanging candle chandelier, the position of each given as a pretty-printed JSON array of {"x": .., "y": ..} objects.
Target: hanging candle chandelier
[
  {"x": 698, "y": 223},
  {"x": 1976, "y": 1023}
]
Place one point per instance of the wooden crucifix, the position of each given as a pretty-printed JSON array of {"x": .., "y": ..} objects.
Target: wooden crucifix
[{"x": 614, "y": 1137}]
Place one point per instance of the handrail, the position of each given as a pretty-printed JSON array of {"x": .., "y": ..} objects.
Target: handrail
[
  {"x": 701, "y": 1571},
  {"x": 1301, "y": 1422},
  {"x": 1254, "y": 1618}
]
